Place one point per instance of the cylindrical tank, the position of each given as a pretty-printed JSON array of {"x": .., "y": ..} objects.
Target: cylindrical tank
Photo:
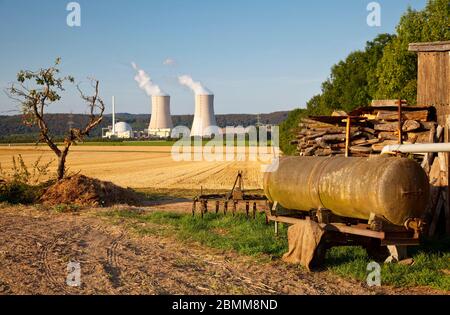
[
  {"x": 204, "y": 117},
  {"x": 394, "y": 188}
]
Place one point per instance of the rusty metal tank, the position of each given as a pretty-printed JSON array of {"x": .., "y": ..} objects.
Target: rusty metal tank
[{"x": 394, "y": 188}]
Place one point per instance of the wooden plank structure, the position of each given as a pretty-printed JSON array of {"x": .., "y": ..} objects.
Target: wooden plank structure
[
  {"x": 433, "y": 76},
  {"x": 433, "y": 89}
]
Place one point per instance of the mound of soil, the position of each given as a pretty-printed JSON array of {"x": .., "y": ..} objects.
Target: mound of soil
[{"x": 84, "y": 191}]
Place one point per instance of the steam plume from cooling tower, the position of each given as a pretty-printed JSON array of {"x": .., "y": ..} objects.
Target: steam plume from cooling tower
[
  {"x": 196, "y": 87},
  {"x": 146, "y": 83}
]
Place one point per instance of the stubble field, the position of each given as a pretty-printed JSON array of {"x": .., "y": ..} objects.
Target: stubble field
[{"x": 141, "y": 166}]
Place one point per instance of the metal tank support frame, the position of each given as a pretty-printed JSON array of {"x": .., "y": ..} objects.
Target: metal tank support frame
[{"x": 381, "y": 239}]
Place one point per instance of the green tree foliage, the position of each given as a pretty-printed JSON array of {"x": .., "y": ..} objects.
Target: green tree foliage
[
  {"x": 385, "y": 69},
  {"x": 288, "y": 130},
  {"x": 36, "y": 90},
  {"x": 352, "y": 81},
  {"x": 397, "y": 71}
]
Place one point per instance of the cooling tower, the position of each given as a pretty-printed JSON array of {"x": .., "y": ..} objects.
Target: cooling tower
[
  {"x": 161, "y": 118},
  {"x": 203, "y": 116}
]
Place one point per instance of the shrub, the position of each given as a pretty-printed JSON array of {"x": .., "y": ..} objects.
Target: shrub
[{"x": 22, "y": 185}]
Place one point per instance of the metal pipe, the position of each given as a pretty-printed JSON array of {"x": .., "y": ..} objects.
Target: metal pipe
[{"x": 416, "y": 148}]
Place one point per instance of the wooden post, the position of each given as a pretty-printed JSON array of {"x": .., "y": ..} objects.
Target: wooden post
[
  {"x": 217, "y": 206},
  {"x": 347, "y": 137},
  {"x": 225, "y": 207},
  {"x": 400, "y": 125}
]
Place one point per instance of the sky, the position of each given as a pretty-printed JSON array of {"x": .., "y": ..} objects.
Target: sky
[{"x": 256, "y": 56}]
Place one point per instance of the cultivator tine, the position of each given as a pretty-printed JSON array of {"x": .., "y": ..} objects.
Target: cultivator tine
[
  {"x": 236, "y": 196},
  {"x": 194, "y": 206}
]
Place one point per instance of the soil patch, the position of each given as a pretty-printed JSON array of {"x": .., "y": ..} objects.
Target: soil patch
[{"x": 83, "y": 191}]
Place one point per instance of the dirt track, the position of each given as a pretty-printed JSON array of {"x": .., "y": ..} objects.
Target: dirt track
[{"x": 35, "y": 248}]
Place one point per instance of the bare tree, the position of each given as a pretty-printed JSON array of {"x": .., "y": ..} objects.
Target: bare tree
[{"x": 33, "y": 101}]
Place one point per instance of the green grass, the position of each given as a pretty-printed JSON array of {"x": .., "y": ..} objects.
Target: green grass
[
  {"x": 16, "y": 192},
  {"x": 428, "y": 268},
  {"x": 127, "y": 143},
  {"x": 106, "y": 143},
  {"x": 246, "y": 236},
  {"x": 65, "y": 208},
  {"x": 255, "y": 238}
]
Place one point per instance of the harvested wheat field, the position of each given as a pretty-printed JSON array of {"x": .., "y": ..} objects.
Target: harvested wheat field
[{"x": 141, "y": 166}]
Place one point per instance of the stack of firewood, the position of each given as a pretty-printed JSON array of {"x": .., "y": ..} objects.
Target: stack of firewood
[{"x": 371, "y": 129}]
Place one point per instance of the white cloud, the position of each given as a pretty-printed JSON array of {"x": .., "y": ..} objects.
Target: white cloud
[{"x": 169, "y": 62}]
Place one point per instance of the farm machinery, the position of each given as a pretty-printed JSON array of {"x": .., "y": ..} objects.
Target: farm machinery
[
  {"x": 379, "y": 202},
  {"x": 233, "y": 201}
]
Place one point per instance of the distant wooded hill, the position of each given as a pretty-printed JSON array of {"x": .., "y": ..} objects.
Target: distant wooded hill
[{"x": 11, "y": 127}]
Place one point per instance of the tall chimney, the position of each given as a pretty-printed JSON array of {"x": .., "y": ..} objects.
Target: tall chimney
[{"x": 113, "y": 115}]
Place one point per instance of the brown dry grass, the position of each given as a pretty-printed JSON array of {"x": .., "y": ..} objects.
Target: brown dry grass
[{"x": 142, "y": 167}]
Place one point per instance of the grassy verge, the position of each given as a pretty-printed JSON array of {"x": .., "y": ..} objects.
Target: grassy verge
[
  {"x": 127, "y": 143},
  {"x": 21, "y": 193},
  {"x": 431, "y": 268},
  {"x": 254, "y": 237},
  {"x": 130, "y": 143},
  {"x": 249, "y": 237}
]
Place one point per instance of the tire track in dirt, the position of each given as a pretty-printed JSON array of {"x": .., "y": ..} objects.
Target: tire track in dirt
[
  {"x": 117, "y": 262},
  {"x": 112, "y": 267},
  {"x": 68, "y": 238},
  {"x": 5, "y": 287},
  {"x": 43, "y": 256},
  {"x": 46, "y": 247}
]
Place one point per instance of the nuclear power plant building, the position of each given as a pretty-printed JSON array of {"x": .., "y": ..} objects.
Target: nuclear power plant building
[
  {"x": 161, "y": 121},
  {"x": 204, "y": 124}
]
